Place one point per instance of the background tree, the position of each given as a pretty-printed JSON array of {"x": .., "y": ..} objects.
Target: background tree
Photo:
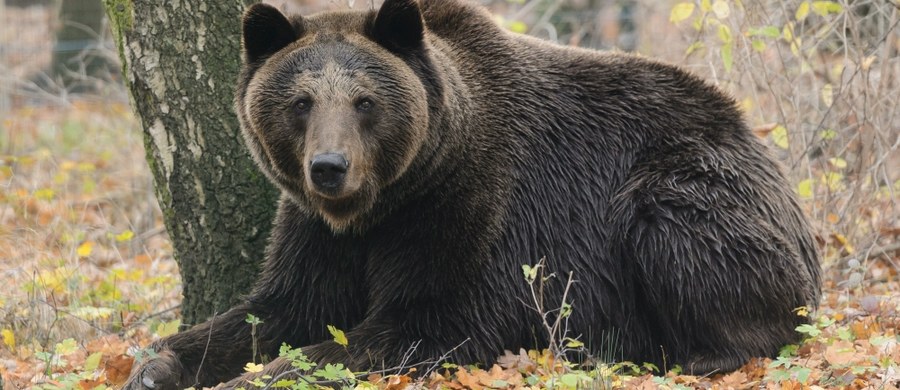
[
  {"x": 78, "y": 64},
  {"x": 180, "y": 61}
]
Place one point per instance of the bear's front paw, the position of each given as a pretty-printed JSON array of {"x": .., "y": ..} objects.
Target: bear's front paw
[{"x": 162, "y": 372}]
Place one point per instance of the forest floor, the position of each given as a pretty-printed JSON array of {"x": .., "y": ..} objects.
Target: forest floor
[{"x": 87, "y": 276}]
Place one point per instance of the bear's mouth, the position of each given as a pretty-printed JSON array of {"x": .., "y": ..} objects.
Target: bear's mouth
[{"x": 342, "y": 211}]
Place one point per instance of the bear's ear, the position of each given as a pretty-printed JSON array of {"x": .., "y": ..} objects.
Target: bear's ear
[
  {"x": 398, "y": 26},
  {"x": 266, "y": 31}
]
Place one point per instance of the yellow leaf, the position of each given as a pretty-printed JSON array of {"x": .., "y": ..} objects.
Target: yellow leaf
[
  {"x": 828, "y": 134},
  {"x": 795, "y": 47},
  {"x": 780, "y": 137},
  {"x": 833, "y": 180},
  {"x": 518, "y": 27},
  {"x": 681, "y": 11},
  {"x": 8, "y": 338},
  {"x": 339, "y": 336},
  {"x": 253, "y": 368},
  {"x": 166, "y": 329},
  {"x": 837, "y": 70},
  {"x": 93, "y": 361},
  {"x": 828, "y": 94},
  {"x": 125, "y": 236},
  {"x": 788, "y": 32},
  {"x": 85, "y": 249},
  {"x": 845, "y": 243},
  {"x": 721, "y": 9},
  {"x": 802, "y": 11},
  {"x": 805, "y": 189},
  {"x": 867, "y": 63},
  {"x": 724, "y": 33},
  {"x": 838, "y": 162},
  {"x": 44, "y": 194},
  {"x": 705, "y": 6},
  {"x": 66, "y": 347},
  {"x": 747, "y": 105},
  {"x": 802, "y": 311},
  {"x": 823, "y": 8},
  {"x": 694, "y": 47}
]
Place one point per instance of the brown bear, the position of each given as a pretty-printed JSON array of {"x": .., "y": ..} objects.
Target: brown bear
[{"x": 425, "y": 154}]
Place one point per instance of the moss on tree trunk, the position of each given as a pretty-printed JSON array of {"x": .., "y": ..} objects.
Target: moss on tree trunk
[{"x": 180, "y": 61}]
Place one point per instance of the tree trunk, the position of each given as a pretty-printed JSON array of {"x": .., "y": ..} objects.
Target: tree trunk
[{"x": 181, "y": 59}]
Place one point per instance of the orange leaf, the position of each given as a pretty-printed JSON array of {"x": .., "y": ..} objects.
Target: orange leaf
[
  {"x": 764, "y": 130},
  {"x": 88, "y": 384},
  {"x": 467, "y": 379},
  {"x": 397, "y": 382},
  {"x": 841, "y": 353},
  {"x": 118, "y": 369},
  {"x": 143, "y": 260}
]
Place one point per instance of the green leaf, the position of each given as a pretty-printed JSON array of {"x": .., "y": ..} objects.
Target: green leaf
[
  {"x": 333, "y": 372},
  {"x": 339, "y": 336},
  {"x": 767, "y": 31},
  {"x": 758, "y": 45},
  {"x": 823, "y": 8},
  {"x": 252, "y": 319},
  {"x": 789, "y": 350},
  {"x": 802, "y": 374},
  {"x": 570, "y": 381},
  {"x": 725, "y": 33},
  {"x": 284, "y": 383},
  {"x": 808, "y": 329},
  {"x": 530, "y": 272},
  {"x": 572, "y": 343},
  {"x": 93, "y": 361},
  {"x": 681, "y": 12},
  {"x": 828, "y": 134},
  {"x": 727, "y": 58}
]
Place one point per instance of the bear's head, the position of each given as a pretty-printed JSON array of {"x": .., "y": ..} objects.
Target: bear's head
[{"x": 330, "y": 106}]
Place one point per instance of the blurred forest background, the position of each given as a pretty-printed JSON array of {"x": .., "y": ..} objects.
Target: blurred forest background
[{"x": 86, "y": 266}]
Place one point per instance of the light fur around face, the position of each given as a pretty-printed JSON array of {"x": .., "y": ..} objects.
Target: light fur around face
[{"x": 333, "y": 70}]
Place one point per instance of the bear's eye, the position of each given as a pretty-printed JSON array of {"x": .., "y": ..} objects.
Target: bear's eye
[
  {"x": 302, "y": 106},
  {"x": 365, "y": 105}
]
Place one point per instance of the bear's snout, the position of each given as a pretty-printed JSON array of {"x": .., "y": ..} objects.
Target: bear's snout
[{"x": 327, "y": 171}]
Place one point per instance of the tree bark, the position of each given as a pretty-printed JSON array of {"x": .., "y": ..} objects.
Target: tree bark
[{"x": 180, "y": 61}]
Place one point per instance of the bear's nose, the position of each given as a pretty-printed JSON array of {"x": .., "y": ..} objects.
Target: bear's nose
[{"x": 327, "y": 171}]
